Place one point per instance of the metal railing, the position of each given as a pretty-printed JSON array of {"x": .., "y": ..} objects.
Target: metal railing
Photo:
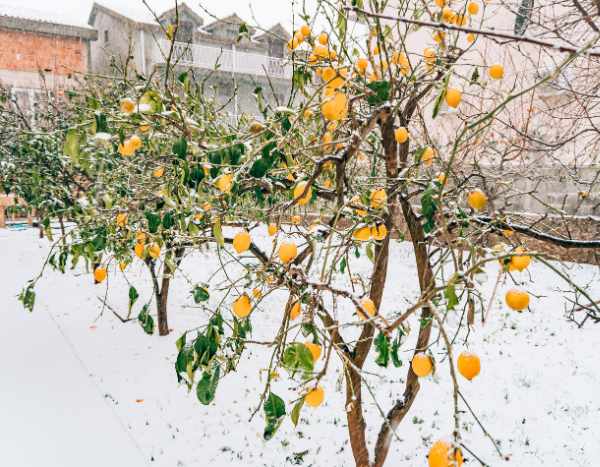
[{"x": 229, "y": 60}]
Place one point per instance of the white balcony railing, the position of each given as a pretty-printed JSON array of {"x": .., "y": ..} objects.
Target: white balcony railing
[{"x": 229, "y": 60}]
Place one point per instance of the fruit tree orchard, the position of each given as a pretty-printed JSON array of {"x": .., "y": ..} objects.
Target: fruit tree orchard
[{"x": 385, "y": 138}]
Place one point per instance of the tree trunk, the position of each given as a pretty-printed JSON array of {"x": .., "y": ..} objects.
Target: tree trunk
[
  {"x": 162, "y": 299},
  {"x": 354, "y": 415}
]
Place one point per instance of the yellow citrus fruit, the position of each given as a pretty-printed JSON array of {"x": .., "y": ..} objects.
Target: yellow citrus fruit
[
  {"x": 315, "y": 397},
  {"x": 315, "y": 350},
  {"x": 362, "y": 235},
  {"x": 442, "y": 454},
  {"x": 272, "y": 229},
  {"x": 496, "y": 71},
  {"x": 356, "y": 202},
  {"x": 369, "y": 306},
  {"x": 302, "y": 193},
  {"x": 242, "y": 306},
  {"x": 448, "y": 15},
  {"x": 139, "y": 250},
  {"x": 293, "y": 44},
  {"x": 144, "y": 128},
  {"x": 305, "y": 30},
  {"x": 126, "y": 149},
  {"x": 518, "y": 300},
  {"x": 323, "y": 38},
  {"x": 361, "y": 65},
  {"x": 379, "y": 232},
  {"x": 470, "y": 38},
  {"x": 154, "y": 250},
  {"x": 440, "y": 3},
  {"x": 288, "y": 252},
  {"x": 257, "y": 293},
  {"x": 122, "y": 266},
  {"x": 469, "y": 365},
  {"x": 136, "y": 142},
  {"x": 224, "y": 183},
  {"x": 401, "y": 135},
  {"x": 296, "y": 219},
  {"x": 122, "y": 219},
  {"x": 158, "y": 172},
  {"x": 127, "y": 106},
  {"x": 520, "y": 262},
  {"x": 421, "y": 365},
  {"x": 429, "y": 55},
  {"x": 441, "y": 178},
  {"x": 473, "y": 8},
  {"x": 295, "y": 311},
  {"x": 335, "y": 107},
  {"x": 100, "y": 275},
  {"x": 378, "y": 199},
  {"x": 308, "y": 114},
  {"x": 241, "y": 242},
  {"x": 453, "y": 97},
  {"x": 428, "y": 156},
  {"x": 477, "y": 200}
]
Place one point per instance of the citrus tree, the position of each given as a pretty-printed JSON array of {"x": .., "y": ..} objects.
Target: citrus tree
[{"x": 374, "y": 146}]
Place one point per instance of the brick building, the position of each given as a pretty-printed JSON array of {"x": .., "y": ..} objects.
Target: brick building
[{"x": 40, "y": 51}]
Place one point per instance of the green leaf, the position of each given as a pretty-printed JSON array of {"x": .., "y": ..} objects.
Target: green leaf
[
  {"x": 428, "y": 209},
  {"x": 382, "y": 346},
  {"x": 475, "y": 76},
  {"x": 146, "y": 321},
  {"x": 71, "y": 148},
  {"x": 260, "y": 168},
  {"x": 101, "y": 123},
  {"x": 218, "y": 232},
  {"x": 523, "y": 17},
  {"x": 154, "y": 221},
  {"x": 394, "y": 352},
  {"x": 180, "y": 343},
  {"x": 343, "y": 265},
  {"x": 295, "y": 415},
  {"x": 180, "y": 148},
  {"x": 370, "y": 252},
  {"x": 27, "y": 297},
  {"x": 297, "y": 357},
  {"x": 207, "y": 386},
  {"x": 200, "y": 294},
  {"x": 451, "y": 298},
  {"x": 440, "y": 97},
  {"x": 274, "y": 408},
  {"x": 133, "y": 296},
  {"x": 168, "y": 220},
  {"x": 381, "y": 92},
  {"x": 205, "y": 348}
]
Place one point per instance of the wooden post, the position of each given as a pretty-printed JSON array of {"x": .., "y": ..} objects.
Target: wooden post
[{"x": 2, "y": 217}]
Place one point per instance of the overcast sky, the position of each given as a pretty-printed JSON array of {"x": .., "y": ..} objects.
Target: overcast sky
[{"x": 266, "y": 12}]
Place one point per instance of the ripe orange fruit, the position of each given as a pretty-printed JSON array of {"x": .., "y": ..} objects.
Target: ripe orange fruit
[
  {"x": 401, "y": 135},
  {"x": 272, "y": 229},
  {"x": 299, "y": 189},
  {"x": 122, "y": 219},
  {"x": 126, "y": 149},
  {"x": 379, "y": 232},
  {"x": 421, "y": 365},
  {"x": 315, "y": 397},
  {"x": 361, "y": 65},
  {"x": 442, "y": 454},
  {"x": 496, "y": 71},
  {"x": 323, "y": 38},
  {"x": 296, "y": 310},
  {"x": 315, "y": 350},
  {"x": 448, "y": 15},
  {"x": 429, "y": 55},
  {"x": 308, "y": 114},
  {"x": 520, "y": 262},
  {"x": 158, "y": 172},
  {"x": 242, "y": 306},
  {"x": 428, "y": 156},
  {"x": 127, "y": 106},
  {"x": 296, "y": 219},
  {"x": 362, "y": 235},
  {"x": 136, "y": 142},
  {"x": 100, "y": 275},
  {"x": 470, "y": 38},
  {"x": 518, "y": 300},
  {"x": 378, "y": 199},
  {"x": 473, "y": 8},
  {"x": 369, "y": 306},
  {"x": 140, "y": 237},
  {"x": 241, "y": 242},
  {"x": 335, "y": 106},
  {"x": 154, "y": 250},
  {"x": 139, "y": 250},
  {"x": 440, "y": 3},
  {"x": 288, "y": 252},
  {"x": 477, "y": 200},
  {"x": 305, "y": 30},
  {"x": 453, "y": 97},
  {"x": 469, "y": 365},
  {"x": 224, "y": 183}
]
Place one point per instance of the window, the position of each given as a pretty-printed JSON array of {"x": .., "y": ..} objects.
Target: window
[{"x": 106, "y": 36}]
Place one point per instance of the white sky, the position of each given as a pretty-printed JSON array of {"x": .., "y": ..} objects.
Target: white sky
[{"x": 266, "y": 12}]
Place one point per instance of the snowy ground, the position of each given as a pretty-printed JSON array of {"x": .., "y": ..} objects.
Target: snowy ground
[{"x": 78, "y": 390}]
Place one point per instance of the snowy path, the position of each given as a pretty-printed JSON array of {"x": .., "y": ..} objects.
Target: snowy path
[{"x": 51, "y": 411}]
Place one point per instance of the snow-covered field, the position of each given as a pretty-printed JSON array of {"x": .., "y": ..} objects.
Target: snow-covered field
[{"x": 78, "y": 389}]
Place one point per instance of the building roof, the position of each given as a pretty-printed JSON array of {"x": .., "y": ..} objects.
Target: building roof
[
  {"x": 45, "y": 22},
  {"x": 277, "y": 31},
  {"x": 184, "y": 9},
  {"x": 228, "y": 20}
]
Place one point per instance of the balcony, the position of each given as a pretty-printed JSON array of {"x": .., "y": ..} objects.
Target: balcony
[{"x": 227, "y": 60}]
